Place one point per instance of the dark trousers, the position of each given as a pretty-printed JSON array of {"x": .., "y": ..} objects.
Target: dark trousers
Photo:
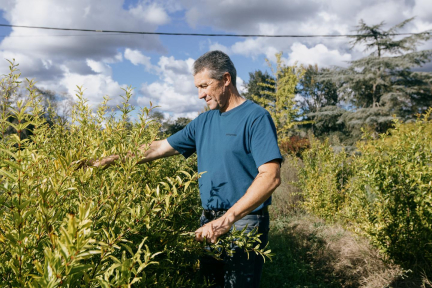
[{"x": 238, "y": 270}]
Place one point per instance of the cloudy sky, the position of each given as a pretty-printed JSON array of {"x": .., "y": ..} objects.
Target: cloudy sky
[{"x": 159, "y": 67}]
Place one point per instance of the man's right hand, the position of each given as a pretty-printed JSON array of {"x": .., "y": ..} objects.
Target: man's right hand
[
  {"x": 156, "y": 150},
  {"x": 104, "y": 162}
]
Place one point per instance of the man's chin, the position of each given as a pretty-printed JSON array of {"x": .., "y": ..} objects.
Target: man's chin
[{"x": 213, "y": 106}]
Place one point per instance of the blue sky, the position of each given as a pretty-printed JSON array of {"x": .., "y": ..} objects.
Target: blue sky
[{"x": 159, "y": 67}]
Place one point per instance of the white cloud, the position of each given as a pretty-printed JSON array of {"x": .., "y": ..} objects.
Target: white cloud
[
  {"x": 108, "y": 15},
  {"x": 175, "y": 93},
  {"x": 152, "y": 14},
  {"x": 395, "y": 12},
  {"x": 255, "y": 47},
  {"x": 60, "y": 62},
  {"x": 302, "y": 18},
  {"x": 95, "y": 87},
  {"x": 30, "y": 66},
  {"x": 423, "y": 10},
  {"x": 99, "y": 67},
  {"x": 218, "y": 46},
  {"x": 240, "y": 85},
  {"x": 247, "y": 15},
  {"x": 319, "y": 54},
  {"x": 137, "y": 58}
]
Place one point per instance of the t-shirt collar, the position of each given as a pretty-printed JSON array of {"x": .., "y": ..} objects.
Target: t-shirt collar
[{"x": 234, "y": 109}]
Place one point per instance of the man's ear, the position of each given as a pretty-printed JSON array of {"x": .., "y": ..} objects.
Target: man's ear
[{"x": 227, "y": 79}]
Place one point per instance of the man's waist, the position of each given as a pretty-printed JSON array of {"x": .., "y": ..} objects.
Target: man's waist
[{"x": 213, "y": 214}]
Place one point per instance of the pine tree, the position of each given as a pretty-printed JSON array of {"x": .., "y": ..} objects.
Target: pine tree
[{"x": 384, "y": 83}]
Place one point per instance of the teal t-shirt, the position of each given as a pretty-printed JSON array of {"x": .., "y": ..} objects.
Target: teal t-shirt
[{"x": 230, "y": 147}]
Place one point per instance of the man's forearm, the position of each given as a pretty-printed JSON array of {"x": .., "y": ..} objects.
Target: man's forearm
[
  {"x": 156, "y": 150},
  {"x": 259, "y": 191},
  {"x": 267, "y": 180}
]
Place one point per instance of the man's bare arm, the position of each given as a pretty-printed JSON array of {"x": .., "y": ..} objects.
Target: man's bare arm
[
  {"x": 156, "y": 150},
  {"x": 267, "y": 180}
]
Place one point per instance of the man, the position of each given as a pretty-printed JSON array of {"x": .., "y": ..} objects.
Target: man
[{"x": 237, "y": 147}]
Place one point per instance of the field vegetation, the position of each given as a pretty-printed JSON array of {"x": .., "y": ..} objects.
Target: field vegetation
[
  {"x": 354, "y": 209},
  {"x": 64, "y": 224}
]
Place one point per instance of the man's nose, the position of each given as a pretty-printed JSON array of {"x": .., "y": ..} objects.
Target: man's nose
[{"x": 201, "y": 93}]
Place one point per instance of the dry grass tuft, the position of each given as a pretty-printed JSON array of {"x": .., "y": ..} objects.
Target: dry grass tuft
[
  {"x": 336, "y": 256},
  {"x": 287, "y": 196},
  {"x": 426, "y": 282}
]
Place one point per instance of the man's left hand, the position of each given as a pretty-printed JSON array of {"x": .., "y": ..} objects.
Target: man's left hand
[{"x": 213, "y": 230}]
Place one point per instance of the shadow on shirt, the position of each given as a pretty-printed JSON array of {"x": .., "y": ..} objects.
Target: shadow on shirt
[{"x": 215, "y": 201}]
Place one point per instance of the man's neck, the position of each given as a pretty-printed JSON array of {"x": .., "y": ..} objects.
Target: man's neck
[{"x": 234, "y": 100}]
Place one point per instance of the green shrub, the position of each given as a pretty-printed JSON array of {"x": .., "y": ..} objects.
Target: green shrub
[
  {"x": 323, "y": 179},
  {"x": 384, "y": 191},
  {"x": 65, "y": 226},
  {"x": 391, "y": 195}
]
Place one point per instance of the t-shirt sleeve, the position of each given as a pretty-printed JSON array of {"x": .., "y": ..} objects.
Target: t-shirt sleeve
[
  {"x": 264, "y": 146},
  {"x": 184, "y": 140}
]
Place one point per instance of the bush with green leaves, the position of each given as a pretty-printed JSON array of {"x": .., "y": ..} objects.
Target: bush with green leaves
[
  {"x": 323, "y": 179},
  {"x": 383, "y": 191},
  {"x": 390, "y": 197},
  {"x": 64, "y": 225}
]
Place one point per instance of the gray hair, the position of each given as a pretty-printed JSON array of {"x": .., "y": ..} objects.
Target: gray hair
[{"x": 217, "y": 63}]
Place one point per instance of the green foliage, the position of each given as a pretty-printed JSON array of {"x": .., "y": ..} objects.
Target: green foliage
[
  {"x": 255, "y": 89},
  {"x": 384, "y": 78},
  {"x": 391, "y": 195},
  {"x": 172, "y": 127},
  {"x": 384, "y": 191},
  {"x": 127, "y": 225},
  {"x": 323, "y": 179},
  {"x": 169, "y": 127},
  {"x": 375, "y": 88},
  {"x": 326, "y": 121},
  {"x": 316, "y": 93},
  {"x": 279, "y": 96}
]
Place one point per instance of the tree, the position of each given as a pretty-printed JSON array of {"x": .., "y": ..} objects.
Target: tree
[
  {"x": 254, "y": 86},
  {"x": 385, "y": 77},
  {"x": 384, "y": 83},
  {"x": 168, "y": 126},
  {"x": 172, "y": 127},
  {"x": 55, "y": 104},
  {"x": 280, "y": 94},
  {"x": 316, "y": 93}
]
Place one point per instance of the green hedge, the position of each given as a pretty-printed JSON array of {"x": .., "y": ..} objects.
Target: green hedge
[{"x": 384, "y": 191}]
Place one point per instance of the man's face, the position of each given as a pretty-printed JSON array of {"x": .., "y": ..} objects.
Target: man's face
[{"x": 211, "y": 90}]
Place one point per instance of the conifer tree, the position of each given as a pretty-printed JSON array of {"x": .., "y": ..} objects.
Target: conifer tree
[{"x": 384, "y": 83}]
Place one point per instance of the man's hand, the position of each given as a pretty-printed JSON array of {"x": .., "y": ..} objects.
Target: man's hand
[
  {"x": 104, "y": 162},
  {"x": 213, "y": 230},
  {"x": 267, "y": 180}
]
